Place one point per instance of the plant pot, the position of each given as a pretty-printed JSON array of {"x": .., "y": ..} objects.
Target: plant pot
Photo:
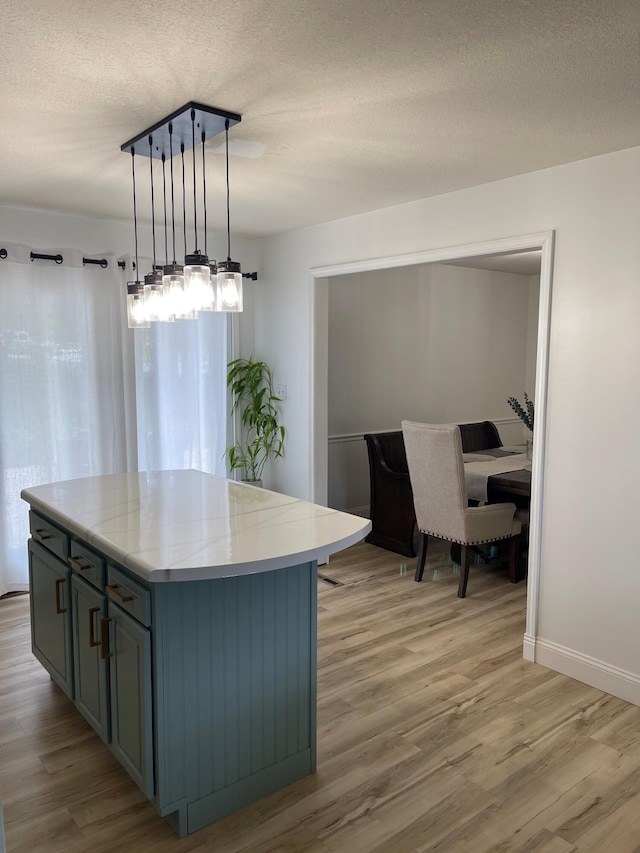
[{"x": 256, "y": 483}]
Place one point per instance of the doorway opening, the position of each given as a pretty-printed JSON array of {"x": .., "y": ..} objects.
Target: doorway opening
[{"x": 529, "y": 252}]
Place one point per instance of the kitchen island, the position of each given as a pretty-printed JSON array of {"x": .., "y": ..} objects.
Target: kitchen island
[{"x": 177, "y": 609}]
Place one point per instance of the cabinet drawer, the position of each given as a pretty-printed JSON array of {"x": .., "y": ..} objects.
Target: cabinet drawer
[
  {"x": 53, "y": 539},
  {"x": 86, "y": 563},
  {"x": 129, "y": 594}
]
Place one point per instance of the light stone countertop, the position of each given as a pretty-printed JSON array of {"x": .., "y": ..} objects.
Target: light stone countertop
[{"x": 189, "y": 525}]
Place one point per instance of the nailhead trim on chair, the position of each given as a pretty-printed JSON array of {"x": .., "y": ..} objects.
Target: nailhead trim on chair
[{"x": 472, "y": 542}]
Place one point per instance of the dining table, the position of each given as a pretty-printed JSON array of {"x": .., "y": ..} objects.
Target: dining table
[{"x": 499, "y": 475}]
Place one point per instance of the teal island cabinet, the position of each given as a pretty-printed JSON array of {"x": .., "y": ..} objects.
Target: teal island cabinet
[{"x": 177, "y": 610}]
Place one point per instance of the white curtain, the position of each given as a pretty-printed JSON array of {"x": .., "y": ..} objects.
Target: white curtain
[
  {"x": 81, "y": 395},
  {"x": 62, "y": 396},
  {"x": 181, "y": 394}
]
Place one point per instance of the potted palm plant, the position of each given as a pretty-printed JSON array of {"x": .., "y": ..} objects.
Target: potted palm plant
[{"x": 251, "y": 385}]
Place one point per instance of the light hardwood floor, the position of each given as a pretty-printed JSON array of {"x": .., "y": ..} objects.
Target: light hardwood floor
[{"x": 434, "y": 735}]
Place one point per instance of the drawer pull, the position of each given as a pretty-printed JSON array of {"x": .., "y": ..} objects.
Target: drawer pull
[
  {"x": 75, "y": 562},
  {"x": 42, "y": 534},
  {"x": 93, "y": 642},
  {"x": 104, "y": 638},
  {"x": 59, "y": 607},
  {"x": 114, "y": 592}
]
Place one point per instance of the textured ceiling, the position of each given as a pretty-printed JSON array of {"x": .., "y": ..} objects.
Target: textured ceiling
[{"x": 355, "y": 104}]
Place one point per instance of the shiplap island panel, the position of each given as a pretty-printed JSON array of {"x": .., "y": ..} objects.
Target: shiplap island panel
[{"x": 191, "y": 603}]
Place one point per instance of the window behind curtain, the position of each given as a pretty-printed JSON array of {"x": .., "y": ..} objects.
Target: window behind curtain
[
  {"x": 81, "y": 395},
  {"x": 61, "y": 386},
  {"x": 181, "y": 394}
]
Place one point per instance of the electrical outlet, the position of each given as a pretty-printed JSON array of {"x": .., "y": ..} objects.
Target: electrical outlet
[{"x": 281, "y": 391}]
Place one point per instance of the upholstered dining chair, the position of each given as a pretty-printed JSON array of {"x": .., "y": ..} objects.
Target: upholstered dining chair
[{"x": 436, "y": 470}]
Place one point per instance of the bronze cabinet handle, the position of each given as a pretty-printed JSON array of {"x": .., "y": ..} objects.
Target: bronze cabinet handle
[
  {"x": 104, "y": 639},
  {"x": 114, "y": 592},
  {"x": 92, "y": 640},
  {"x": 42, "y": 534},
  {"x": 75, "y": 562},
  {"x": 59, "y": 607}
]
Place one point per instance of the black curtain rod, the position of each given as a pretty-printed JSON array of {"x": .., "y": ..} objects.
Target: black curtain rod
[
  {"x": 103, "y": 263},
  {"x": 252, "y": 275},
  {"x": 35, "y": 256}
]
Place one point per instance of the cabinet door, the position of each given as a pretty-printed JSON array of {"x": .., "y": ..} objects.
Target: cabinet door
[
  {"x": 90, "y": 678},
  {"x": 50, "y": 615},
  {"x": 130, "y": 682}
]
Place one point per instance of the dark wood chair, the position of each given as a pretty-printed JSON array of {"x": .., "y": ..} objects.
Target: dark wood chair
[
  {"x": 392, "y": 514},
  {"x": 393, "y": 518},
  {"x": 479, "y": 436}
]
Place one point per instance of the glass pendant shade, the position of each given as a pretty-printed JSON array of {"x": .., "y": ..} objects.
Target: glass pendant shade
[
  {"x": 208, "y": 293},
  {"x": 136, "y": 310},
  {"x": 229, "y": 286},
  {"x": 173, "y": 289},
  {"x": 197, "y": 282},
  {"x": 156, "y": 306}
]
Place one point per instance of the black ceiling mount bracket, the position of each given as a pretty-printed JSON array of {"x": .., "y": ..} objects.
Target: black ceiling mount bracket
[
  {"x": 252, "y": 275},
  {"x": 3, "y": 254},
  {"x": 209, "y": 121}
]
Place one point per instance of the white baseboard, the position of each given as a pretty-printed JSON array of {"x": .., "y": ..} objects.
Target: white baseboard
[
  {"x": 619, "y": 682},
  {"x": 529, "y": 648}
]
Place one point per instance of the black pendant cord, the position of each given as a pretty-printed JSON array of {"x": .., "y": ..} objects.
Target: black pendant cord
[
  {"x": 204, "y": 195},
  {"x": 193, "y": 158},
  {"x": 135, "y": 214},
  {"x": 153, "y": 206},
  {"x": 173, "y": 207},
  {"x": 226, "y": 138},
  {"x": 164, "y": 198},
  {"x": 184, "y": 203}
]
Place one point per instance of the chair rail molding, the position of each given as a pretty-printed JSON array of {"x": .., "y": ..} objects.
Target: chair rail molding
[{"x": 358, "y": 436}]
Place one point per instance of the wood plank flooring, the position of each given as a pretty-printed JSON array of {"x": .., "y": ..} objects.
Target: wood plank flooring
[{"x": 434, "y": 735}]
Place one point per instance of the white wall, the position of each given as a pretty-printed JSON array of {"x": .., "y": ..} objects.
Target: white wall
[
  {"x": 589, "y": 588},
  {"x": 431, "y": 342}
]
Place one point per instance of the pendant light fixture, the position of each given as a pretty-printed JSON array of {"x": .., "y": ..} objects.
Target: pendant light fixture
[
  {"x": 173, "y": 277},
  {"x": 201, "y": 285},
  {"x": 185, "y": 307},
  {"x": 156, "y": 307},
  {"x": 229, "y": 277},
  {"x": 208, "y": 291},
  {"x": 136, "y": 313},
  {"x": 197, "y": 275}
]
